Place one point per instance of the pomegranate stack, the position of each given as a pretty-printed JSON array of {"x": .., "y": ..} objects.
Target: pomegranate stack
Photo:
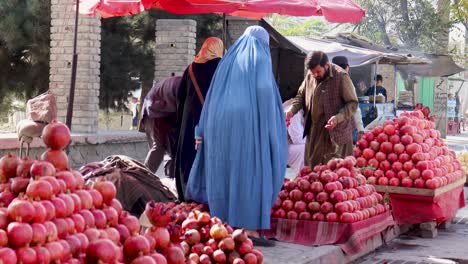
[
  {"x": 202, "y": 238},
  {"x": 336, "y": 192},
  {"x": 407, "y": 151},
  {"x": 49, "y": 215}
]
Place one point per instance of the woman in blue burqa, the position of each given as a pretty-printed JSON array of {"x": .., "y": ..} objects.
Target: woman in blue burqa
[
  {"x": 190, "y": 100},
  {"x": 241, "y": 137}
]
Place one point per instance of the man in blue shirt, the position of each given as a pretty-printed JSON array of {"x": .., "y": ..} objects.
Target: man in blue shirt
[{"x": 380, "y": 88}]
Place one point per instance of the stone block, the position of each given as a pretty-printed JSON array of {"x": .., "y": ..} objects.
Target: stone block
[
  {"x": 428, "y": 225},
  {"x": 428, "y": 233},
  {"x": 446, "y": 225}
]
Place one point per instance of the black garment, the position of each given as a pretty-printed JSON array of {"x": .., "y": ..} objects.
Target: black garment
[
  {"x": 188, "y": 114},
  {"x": 380, "y": 90}
]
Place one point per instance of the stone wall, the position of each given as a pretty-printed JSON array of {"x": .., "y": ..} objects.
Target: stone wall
[
  {"x": 87, "y": 148},
  {"x": 86, "y": 103},
  {"x": 236, "y": 27},
  {"x": 175, "y": 46}
]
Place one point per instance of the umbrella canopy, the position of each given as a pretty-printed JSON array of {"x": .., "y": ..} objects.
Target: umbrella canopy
[{"x": 339, "y": 11}]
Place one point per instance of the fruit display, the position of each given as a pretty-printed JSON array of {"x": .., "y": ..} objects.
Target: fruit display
[
  {"x": 336, "y": 192},
  {"x": 463, "y": 158},
  {"x": 202, "y": 238},
  {"x": 426, "y": 112},
  {"x": 407, "y": 151}
]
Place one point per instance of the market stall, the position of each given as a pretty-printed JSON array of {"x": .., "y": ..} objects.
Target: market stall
[{"x": 406, "y": 160}]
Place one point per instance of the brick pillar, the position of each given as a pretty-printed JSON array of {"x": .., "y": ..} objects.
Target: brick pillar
[
  {"x": 86, "y": 103},
  {"x": 175, "y": 46},
  {"x": 236, "y": 27}
]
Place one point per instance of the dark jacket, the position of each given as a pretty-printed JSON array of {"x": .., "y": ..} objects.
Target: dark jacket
[{"x": 161, "y": 100}]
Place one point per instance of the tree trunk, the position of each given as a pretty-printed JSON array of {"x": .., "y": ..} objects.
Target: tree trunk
[
  {"x": 443, "y": 11},
  {"x": 408, "y": 36}
]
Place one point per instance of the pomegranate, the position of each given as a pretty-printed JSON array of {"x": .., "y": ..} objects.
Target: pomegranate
[
  {"x": 42, "y": 168},
  {"x": 292, "y": 215},
  {"x": 40, "y": 189},
  {"x": 218, "y": 231},
  {"x": 57, "y": 157},
  {"x": 130, "y": 221},
  {"x": 159, "y": 258},
  {"x": 219, "y": 256},
  {"x": 86, "y": 199},
  {"x": 39, "y": 234},
  {"x": 101, "y": 251},
  {"x": 19, "y": 234},
  {"x": 8, "y": 256},
  {"x": 26, "y": 255},
  {"x": 97, "y": 198},
  {"x": 79, "y": 179},
  {"x": 24, "y": 167},
  {"x": 107, "y": 190},
  {"x": 100, "y": 219},
  {"x": 19, "y": 185},
  {"x": 21, "y": 210},
  {"x": 8, "y": 165},
  {"x": 192, "y": 236},
  {"x": 174, "y": 255},
  {"x": 42, "y": 255},
  {"x": 68, "y": 178},
  {"x": 144, "y": 260}
]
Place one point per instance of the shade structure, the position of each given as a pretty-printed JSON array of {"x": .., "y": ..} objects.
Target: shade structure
[{"x": 338, "y": 11}]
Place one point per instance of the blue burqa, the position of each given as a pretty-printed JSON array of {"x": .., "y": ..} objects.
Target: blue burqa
[{"x": 240, "y": 166}]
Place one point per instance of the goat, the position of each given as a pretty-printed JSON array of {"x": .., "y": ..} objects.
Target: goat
[{"x": 27, "y": 130}]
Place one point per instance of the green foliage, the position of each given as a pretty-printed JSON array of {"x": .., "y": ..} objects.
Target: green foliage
[
  {"x": 413, "y": 24},
  {"x": 24, "y": 49},
  {"x": 127, "y": 52}
]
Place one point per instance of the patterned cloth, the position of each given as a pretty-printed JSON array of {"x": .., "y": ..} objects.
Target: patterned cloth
[
  {"x": 135, "y": 184},
  {"x": 349, "y": 237}
]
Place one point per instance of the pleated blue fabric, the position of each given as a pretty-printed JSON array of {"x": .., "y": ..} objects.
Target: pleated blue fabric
[{"x": 240, "y": 166}]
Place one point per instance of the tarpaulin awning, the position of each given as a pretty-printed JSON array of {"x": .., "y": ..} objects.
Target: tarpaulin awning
[
  {"x": 440, "y": 65},
  {"x": 338, "y": 11},
  {"x": 356, "y": 56}
]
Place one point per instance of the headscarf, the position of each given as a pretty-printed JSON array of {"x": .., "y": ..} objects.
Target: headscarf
[{"x": 212, "y": 48}]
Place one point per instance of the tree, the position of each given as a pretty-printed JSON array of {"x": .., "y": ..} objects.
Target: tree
[
  {"x": 293, "y": 26},
  {"x": 416, "y": 25},
  {"x": 127, "y": 57},
  {"x": 459, "y": 10},
  {"x": 24, "y": 49}
]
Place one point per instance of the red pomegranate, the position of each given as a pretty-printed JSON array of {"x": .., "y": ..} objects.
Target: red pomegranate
[
  {"x": 8, "y": 166},
  {"x": 57, "y": 157},
  {"x": 56, "y": 135}
]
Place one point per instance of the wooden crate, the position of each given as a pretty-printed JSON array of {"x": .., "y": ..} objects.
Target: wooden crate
[{"x": 419, "y": 191}]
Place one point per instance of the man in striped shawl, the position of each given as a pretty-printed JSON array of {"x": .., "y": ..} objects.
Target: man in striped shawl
[{"x": 329, "y": 101}]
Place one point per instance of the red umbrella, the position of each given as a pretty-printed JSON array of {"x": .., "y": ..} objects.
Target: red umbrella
[{"x": 340, "y": 11}]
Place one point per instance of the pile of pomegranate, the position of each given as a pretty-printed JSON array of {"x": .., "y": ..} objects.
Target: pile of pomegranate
[
  {"x": 49, "y": 215},
  {"x": 202, "y": 238},
  {"x": 336, "y": 192},
  {"x": 407, "y": 151}
]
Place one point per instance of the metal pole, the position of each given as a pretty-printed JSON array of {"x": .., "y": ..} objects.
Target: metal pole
[
  {"x": 71, "y": 96},
  {"x": 224, "y": 31}
]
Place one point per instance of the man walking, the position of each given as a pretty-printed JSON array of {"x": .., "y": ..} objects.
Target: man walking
[
  {"x": 160, "y": 120},
  {"x": 329, "y": 101}
]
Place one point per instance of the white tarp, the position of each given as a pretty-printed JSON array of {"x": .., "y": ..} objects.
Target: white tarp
[{"x": 356, "y": 56}]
